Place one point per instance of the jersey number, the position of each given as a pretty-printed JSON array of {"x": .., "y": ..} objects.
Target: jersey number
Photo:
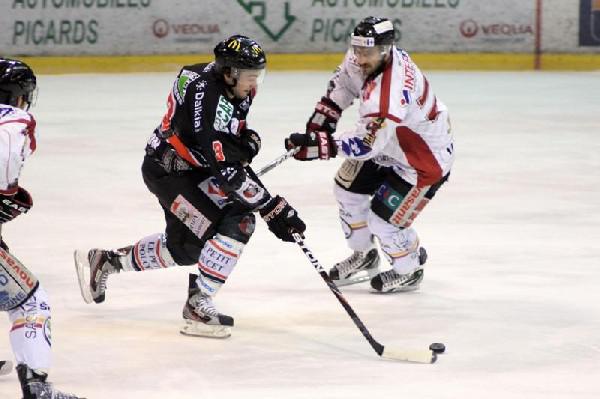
[{"x": 218, "y": 149}]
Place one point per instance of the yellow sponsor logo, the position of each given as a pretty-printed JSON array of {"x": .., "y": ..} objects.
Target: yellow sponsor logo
[{"x": 234, "y": 44}]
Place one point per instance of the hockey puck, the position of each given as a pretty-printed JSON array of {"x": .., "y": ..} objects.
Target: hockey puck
[{"x": 437, "y": 347}]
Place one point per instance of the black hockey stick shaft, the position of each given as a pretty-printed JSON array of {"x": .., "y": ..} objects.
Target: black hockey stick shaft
[
  {"x": 277, "y": 161},
  {"x": 336, "y": 291}
]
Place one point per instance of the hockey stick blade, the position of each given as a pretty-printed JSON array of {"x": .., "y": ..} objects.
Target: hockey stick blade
[{"x": 413, "y": 356}]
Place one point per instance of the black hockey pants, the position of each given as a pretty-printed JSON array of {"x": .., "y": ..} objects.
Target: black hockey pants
[{"x": 187, "y": 235}]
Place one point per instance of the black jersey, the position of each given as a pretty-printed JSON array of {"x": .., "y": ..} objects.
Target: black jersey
[{"x": 204, "y": 125}]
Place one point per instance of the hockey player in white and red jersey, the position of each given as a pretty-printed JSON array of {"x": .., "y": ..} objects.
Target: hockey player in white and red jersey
[
  {"x": 398, "y": 155},
  {"x": 21, "y": 294}
]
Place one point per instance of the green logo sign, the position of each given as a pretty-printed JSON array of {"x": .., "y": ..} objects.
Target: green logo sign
[
  {"x": 183, "y": 82},
  {"x": 261, "y": 16},
  {"x": 223, "y": 115}
]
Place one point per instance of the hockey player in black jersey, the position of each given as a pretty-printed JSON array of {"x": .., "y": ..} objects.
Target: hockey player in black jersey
[{"x": 197, "y": 165}]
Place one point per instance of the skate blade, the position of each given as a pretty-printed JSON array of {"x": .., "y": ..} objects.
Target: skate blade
[
  {"x": 82, "y": 267},
  {"x": 359, "y": 277},
  {"x": 5, "y": 367},
  {"x": 394, "y": 291},
  {"x": 197, "y": 329},
  {"x": 408, "y": 288}
]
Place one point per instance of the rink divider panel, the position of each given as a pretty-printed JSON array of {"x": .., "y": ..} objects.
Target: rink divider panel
[{"x": 314, "y": 62}]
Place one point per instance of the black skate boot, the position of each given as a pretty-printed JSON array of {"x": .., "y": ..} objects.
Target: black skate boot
[
  {"x": 358, "y": 267},
  {"x": 392, "y": 281},
  {"x": 201, "y": 318},
  {"x": 35, "y": 386},
  {"x": 93, "y": 269}
]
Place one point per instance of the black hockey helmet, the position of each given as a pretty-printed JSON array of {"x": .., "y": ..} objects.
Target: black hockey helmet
[
  {"x": 373, "y": 31},
  {"x": 240, "y": 52},
  {"x": 16, "y": 80}
]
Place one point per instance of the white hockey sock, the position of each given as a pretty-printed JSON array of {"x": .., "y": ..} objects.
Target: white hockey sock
[
  {"x": 354, "y": 211},
  {"x": 217, "y": 260},
  {"x": 401, "y": 246},
  {"x": 30, "y": 336},
  {"x": 149, "y": 253}
]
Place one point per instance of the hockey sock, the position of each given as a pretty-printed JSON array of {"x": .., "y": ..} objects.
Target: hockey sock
[
  {"x": 149, "y": 253},
  {"x": 217, "y": 260}
]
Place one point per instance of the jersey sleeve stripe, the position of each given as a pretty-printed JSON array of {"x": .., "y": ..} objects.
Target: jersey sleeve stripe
[
  {"x": 386, "y": 84},
  {"x": 386, "y": 116},
  {"x": 182, "y": 150}
]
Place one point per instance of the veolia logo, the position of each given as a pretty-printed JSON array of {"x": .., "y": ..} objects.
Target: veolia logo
[
  {"x": 469, "y": 28},
  {"x": 160, "y": 28}
]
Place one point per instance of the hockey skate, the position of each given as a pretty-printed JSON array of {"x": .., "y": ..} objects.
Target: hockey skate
[
  {"x": 5, "y": 367},
  {"x": 201, "y": 318},
  {"x": 358, "y": 267},
  {"x": 392, "y": 281},
  {"x": 93, "y": 269},
  {"x": 35, "y": 386}
]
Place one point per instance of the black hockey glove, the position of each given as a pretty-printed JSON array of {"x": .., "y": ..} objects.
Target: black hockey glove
[
  {"x": 313, "y": 145},
  {"x": 325, "y": 117},
  {"x": 12, "y": 206},
  {"x": 242, "y": 189},
  {"x": 250, "y": 141},
  {"x": 282, "y": 219}
]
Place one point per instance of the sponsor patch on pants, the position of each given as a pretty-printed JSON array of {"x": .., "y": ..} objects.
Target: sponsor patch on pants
[{"x": 190, "y": 216}]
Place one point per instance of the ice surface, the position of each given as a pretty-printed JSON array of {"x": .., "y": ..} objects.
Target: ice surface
[{"x": 511, "y": 286}]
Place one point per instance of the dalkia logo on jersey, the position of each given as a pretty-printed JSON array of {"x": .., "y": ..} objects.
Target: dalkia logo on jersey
[{"x": 589, "y": 23}]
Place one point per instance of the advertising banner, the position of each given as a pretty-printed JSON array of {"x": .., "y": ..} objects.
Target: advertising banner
[
  {"x": 589, "y": 23},
  {"x": 123, "y": 27}
]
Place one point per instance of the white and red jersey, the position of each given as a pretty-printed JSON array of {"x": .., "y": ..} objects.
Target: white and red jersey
[
  {"x": 17, "y": 142},
  {"x": 401, "y": 123}
]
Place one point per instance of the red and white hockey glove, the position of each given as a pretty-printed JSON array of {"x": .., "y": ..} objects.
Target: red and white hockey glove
[
  {"x": 325, "y": 117},
  {"x": 313, "y": 145},
  {"x": 12, "y": 206}
]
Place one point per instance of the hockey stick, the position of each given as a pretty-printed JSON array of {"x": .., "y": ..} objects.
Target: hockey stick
[
  {"x": 277, "y": 161},
  {"x": 416, "y": 356}
]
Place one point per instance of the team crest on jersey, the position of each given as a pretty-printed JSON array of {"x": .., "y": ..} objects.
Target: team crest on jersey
[
  {"x": 182, "y": 84},
  {"x": 223, "y": 115}
]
